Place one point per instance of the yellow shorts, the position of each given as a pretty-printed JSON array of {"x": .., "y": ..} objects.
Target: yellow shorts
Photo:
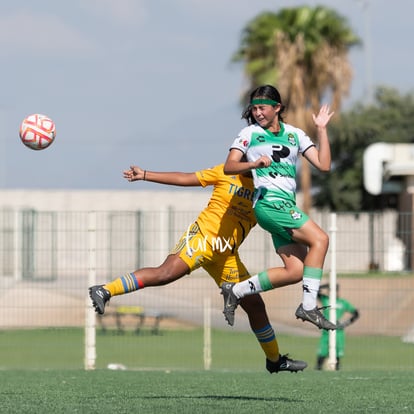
[{"x": 222, "y": 264}]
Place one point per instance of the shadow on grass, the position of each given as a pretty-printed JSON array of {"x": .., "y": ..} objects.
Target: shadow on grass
[{"x": 220, "y": 398}]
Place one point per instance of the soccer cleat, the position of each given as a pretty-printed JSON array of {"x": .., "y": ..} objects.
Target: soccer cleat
[
  {"x": 230, "y": 302},
  {"x": 99, "y": 297},
  {"x": 285, "y": 364},
  {"x": 314, "y": 316}
]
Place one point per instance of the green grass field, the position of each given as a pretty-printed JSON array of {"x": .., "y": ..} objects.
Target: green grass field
[
  {"x": 105, "y": 391},
  {"x": 231, "y": 350},
  {"x": 41, "y": 371}
]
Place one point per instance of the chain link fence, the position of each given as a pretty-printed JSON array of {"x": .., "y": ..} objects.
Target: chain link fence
[{"x": 45, "y": 257}]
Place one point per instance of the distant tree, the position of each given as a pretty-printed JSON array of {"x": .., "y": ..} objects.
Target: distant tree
[
  {"x": 303, "y": 51},
  {"x": 389, "y": 119}
]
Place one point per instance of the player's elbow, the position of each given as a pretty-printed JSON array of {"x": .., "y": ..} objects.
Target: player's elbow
[
  {"x": 228, "y": 169},
  {"x": 325, "y": 168}
]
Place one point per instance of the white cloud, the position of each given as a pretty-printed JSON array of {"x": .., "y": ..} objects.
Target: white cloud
[{"x": 43, "y": 34}]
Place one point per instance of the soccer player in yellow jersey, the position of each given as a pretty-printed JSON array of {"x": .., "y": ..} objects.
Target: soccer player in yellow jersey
[{"x": 211, "y": 242}]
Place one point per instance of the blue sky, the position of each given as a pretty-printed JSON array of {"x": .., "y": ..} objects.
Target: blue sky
[{"x": 149, "y": 82}]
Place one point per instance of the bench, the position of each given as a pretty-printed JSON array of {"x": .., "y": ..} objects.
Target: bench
[{"x": 122, "y": 313}]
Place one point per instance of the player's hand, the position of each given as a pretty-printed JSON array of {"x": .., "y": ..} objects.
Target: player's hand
[
  {"x": 344, "y": 324},
  {"x": 323, "y": 117},
  {"x": 134, "y": 173},
  {"x": 262, "y": 162}
]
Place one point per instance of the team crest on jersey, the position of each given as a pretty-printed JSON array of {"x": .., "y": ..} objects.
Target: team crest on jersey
[
  {"x": 244, "y": 142},
  {"x": 295, "y": 215},
  {"x": 291, "y": 139}
]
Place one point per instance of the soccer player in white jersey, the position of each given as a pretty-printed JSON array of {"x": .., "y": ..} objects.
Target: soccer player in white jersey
[
  {"x": 228, "y": 217},
  {"x": 269, "y": 148}
]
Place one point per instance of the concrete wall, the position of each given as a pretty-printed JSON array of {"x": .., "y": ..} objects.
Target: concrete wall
[
  {"x": 100, "y": 200},
  {"x": 363, "y": 241}
]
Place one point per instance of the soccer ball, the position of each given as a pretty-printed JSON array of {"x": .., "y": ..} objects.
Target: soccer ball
[{"x": 37, "y": 131}]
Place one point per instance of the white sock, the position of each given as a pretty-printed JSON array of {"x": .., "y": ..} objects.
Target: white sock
[
  {"x": 247, "y": 287},
  {"x": 310, "y": 292}
]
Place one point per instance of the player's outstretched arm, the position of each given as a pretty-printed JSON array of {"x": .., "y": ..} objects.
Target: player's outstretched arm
[
  {"x": 136, "y": 173},
  {"x": 352, "y": 319}
]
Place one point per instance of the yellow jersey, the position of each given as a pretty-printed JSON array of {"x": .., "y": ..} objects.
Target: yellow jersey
[{"x": 229, "y": 214}]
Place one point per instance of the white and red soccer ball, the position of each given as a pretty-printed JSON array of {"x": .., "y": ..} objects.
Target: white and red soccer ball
[{"x": 37, "y": 131}]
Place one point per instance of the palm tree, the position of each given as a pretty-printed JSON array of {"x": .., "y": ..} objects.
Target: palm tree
[{"x": 304, "y": 51}]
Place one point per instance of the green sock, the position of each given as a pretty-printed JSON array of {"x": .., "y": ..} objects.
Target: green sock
[
  {"x": 255, "y": 284},
  {"x": 264, "y": 281}
]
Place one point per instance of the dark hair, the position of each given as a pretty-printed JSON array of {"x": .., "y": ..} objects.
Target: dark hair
[{"x": 265, "y": 92}]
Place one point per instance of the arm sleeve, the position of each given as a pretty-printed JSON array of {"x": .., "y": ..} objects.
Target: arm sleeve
[
  {"x": 304, "y": 141},
  {"x": 242, "y": 140},
  {"x": 209, "y": 176}
]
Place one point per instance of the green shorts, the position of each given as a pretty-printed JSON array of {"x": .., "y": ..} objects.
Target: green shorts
[{"x": 279, "y": 218}]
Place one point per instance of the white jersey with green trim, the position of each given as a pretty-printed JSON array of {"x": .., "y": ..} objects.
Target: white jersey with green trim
[{"x": 279, "y": 179}]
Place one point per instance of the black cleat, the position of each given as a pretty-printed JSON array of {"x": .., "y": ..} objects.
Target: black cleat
[
  {"x": 99, "y": 297},
  {"x": 230, "y": 302},
  {"x": 285, "y": 364},
  {"x": 314, "y": 316}
]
